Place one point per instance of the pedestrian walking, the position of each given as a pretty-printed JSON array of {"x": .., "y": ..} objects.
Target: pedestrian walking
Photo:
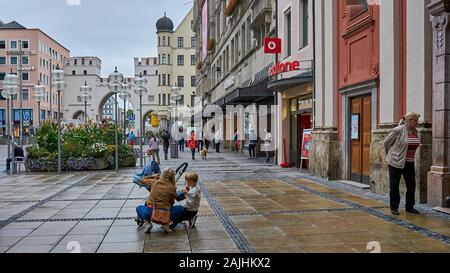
[
  {"x": 192, "y": 144},
  {"x": 154, "y": 147},
  {"x": 400, "y": 146},
  {"x": 236, "y": 140},
  {"x": 181, "y": 143},
  {"x": 267, "y": 145},
  {"x": 166, "y": 143},
  {"x": 200, "y": 140},
  {"x": 132, "y": 138},
  {"x": 252, "y": 138},
  {"x": 217, "y": 141}
]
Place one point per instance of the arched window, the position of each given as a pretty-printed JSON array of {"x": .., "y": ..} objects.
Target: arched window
[{"x": 356, "y": 7}]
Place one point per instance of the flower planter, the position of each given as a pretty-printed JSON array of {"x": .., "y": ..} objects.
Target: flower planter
[
  {"x": 33, "y": 165},
  {"x": 99, "y": 165}
]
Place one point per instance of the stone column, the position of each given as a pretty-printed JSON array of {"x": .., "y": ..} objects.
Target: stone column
[{"x": 439, "y": 176}]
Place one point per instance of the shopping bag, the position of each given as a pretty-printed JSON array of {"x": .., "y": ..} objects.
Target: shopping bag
[{"x": 161, "y": 216}]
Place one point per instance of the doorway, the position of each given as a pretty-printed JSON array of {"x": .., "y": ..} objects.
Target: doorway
[{"x": 361, "y": 136}]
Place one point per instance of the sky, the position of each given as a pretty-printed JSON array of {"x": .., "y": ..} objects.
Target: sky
[{"x": 113, "y": 30}]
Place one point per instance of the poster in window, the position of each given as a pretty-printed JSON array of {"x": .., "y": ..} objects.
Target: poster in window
[{"x": 355, "y": 127}]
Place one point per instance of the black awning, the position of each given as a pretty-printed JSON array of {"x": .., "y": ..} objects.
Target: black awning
[
  {"x": 288, "y": 83},
  {"x": 251, "y": 94}
]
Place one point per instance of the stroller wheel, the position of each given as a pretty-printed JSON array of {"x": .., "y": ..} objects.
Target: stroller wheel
[{"x": 139, "y": 222}]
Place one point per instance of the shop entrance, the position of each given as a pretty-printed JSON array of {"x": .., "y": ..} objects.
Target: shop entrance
[{"x": 361, "y": 135}]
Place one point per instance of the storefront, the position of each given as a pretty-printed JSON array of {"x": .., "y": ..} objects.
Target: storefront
[{"x": 296, "y": 115}]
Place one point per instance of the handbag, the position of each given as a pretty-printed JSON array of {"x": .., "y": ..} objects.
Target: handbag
[
  {"x": 160, "y": 216},
  {"x": 149, "y": 152}
]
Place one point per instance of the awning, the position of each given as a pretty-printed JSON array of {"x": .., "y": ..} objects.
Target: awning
[
  {"x": 251, "y": 94},
  {"x": 284, "y": 84}
]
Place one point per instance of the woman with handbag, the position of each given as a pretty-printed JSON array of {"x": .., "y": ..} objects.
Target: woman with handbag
[
  {"x": 154, "y": 147},
  {"x": 400, "y": 146},
  {"x": 158, "y": 207}
]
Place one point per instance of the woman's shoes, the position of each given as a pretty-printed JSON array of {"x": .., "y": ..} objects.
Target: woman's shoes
[
  {"x": 413, "y": 211},
  {"x": 395, "y": 212}
]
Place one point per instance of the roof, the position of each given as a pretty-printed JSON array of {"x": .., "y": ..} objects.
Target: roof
[
  {"x": 164, "y": 24},
  {"x": 11, "y": 25}
]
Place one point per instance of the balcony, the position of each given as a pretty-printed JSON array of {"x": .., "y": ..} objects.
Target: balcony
[{"x": 262, "y": 12}]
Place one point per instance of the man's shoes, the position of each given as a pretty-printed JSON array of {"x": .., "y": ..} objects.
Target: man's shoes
[
  {"x": 395, "y": 212},
  {"x": 148, "y": 227},
  {"x": 413, "y": 211}
]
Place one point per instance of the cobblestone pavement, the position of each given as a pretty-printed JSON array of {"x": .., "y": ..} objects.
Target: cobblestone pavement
[{"x": 247, "y": 206}]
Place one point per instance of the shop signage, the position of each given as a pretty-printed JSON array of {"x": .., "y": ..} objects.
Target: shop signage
[
  {"x": 23, "y": 52},
  {"x": 26, "y": 68},
  {"x": 272, "y": 45},
  {"x": 280, "y": 68},
  {"x": 229, "y": 82}
]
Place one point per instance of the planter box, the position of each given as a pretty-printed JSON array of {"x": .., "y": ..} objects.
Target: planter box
[{"x": 99, "y": 165}]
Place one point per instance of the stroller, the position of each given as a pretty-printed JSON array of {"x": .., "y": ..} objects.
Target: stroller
[{"x": 153, "y": 168}]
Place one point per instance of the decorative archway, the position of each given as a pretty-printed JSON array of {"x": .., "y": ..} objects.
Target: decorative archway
[{"x": 78, "y": 114}]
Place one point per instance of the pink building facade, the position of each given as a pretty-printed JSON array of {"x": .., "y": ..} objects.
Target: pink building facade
[{"x": 35, "y": 55}]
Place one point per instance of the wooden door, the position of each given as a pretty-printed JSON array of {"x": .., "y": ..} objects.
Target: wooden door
[{"x": 360, "y": 147}]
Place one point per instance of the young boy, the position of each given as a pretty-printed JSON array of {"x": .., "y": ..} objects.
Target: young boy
[{"x": 192, "y": 196}]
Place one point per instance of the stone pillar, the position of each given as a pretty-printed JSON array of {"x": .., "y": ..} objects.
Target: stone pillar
[
  {"x": 325, "y": 153},
  {"x": 439, "y": 176}
]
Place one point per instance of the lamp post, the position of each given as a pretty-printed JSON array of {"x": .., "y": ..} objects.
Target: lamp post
[
  {"x": 58, "y": 84},
  {"x": 115, "y": 86},
  {"x": 85, "y": 90},
  {"x": 175, "y": 98},
  {"x": 125, "y": 96},
  {"x": 10, "y": 84},
  {"x": 140, "y": 90},
  {"x": 39, "y": 90}
]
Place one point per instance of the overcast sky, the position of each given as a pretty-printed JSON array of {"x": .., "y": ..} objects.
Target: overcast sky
[{"x": 113, "y": 30}]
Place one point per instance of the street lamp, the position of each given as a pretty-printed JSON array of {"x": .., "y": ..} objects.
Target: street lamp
[
  {"x": 115, "y": 86},
  {"x": 85, "y": 90},
  {"x": 140, "y": 90},
  {"x": 58, "y": 84},
  {"x": 39, "y": 91},
  {"x": 125, "y": 96},
  {"x": 10, "y": 84}
]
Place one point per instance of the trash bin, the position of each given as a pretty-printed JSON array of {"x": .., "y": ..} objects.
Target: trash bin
[{"x": 173, "y": 150}]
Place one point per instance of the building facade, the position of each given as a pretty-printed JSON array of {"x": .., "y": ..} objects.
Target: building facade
[
  {"x": 176, "y": 66},
  {"x": 32, "y": 55},
  {"x": 233, "y": 69}
]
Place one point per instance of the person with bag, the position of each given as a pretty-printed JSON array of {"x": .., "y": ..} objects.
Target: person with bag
[
  {"x": 192, "y": 144},
  {"x": 159, "y": 204},
  {"x": 400, "y": 146},
  {"x": 154, "y": 148}
]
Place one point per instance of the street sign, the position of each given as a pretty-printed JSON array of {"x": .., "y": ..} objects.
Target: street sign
[{"x": 132, "y": 117}]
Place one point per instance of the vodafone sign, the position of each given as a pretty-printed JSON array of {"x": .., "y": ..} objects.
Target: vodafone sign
[
  {"x": 284, "y": 67},
  {"x": 272, "y": 45}
]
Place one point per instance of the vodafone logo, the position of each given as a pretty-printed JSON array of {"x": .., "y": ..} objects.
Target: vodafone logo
[{"x": 272, "y": 45}]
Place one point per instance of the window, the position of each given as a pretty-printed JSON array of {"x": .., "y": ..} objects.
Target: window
[
  {"x": 75, "y": 62},
  {"x": 304, "y": 21},
  {"x": 356, "y": 7},
  {"x": 13, "y": 60},
  {"x": 43, "y": 114},
  {"x": 168, "y": 58},
  {"x": 180, "y": 60},
  {"x": 145, "y": 72},
  {"x": 164, "y": 59},
  {"x": 164, "y": 41},
  {"x": 2, "y": 44},
  {"x": 193, "y": 60},
  {"x": 181, "y": 81},
  {"x": 25, "y": 60},
  {"x": 192, "y": 81},
  {"x": 159, "y": 79},
  {"x": 85, "y": 72},
  {"x": 25, "y": 94},
  {"x": 12, "y": 44},
  {"x": 73, "y": 72},
  {"x": 168, "y": 79},
  {"x": 193, "y": 40},
  {"x": 2, "y": 76},
  {"x": 180, "y": 42},
  {"x": 25, "y": 44},
  {"x": 182, "y": 100},
  {"x": 164, "y": 79},
  {"x": 151, "y": 98},
  {"x": 2, "y": 60},
  {"x": 25, "y": 76},
  {"x": 288, "y": 33},
  {"x": 168, "y": 41},
  {"x": 164, "y": 99},
  {"x": 159, "y": 99},
  {"x": 159, "y": 40}
]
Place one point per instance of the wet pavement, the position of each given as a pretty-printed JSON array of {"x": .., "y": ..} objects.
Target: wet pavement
[{"x": 247, "y": 206}]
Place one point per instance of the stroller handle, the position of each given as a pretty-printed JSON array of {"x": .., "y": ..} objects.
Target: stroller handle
[{"x": 181, "y": 170}]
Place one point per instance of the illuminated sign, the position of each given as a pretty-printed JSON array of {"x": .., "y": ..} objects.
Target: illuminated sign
[{"x": 280, "y": 68}]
